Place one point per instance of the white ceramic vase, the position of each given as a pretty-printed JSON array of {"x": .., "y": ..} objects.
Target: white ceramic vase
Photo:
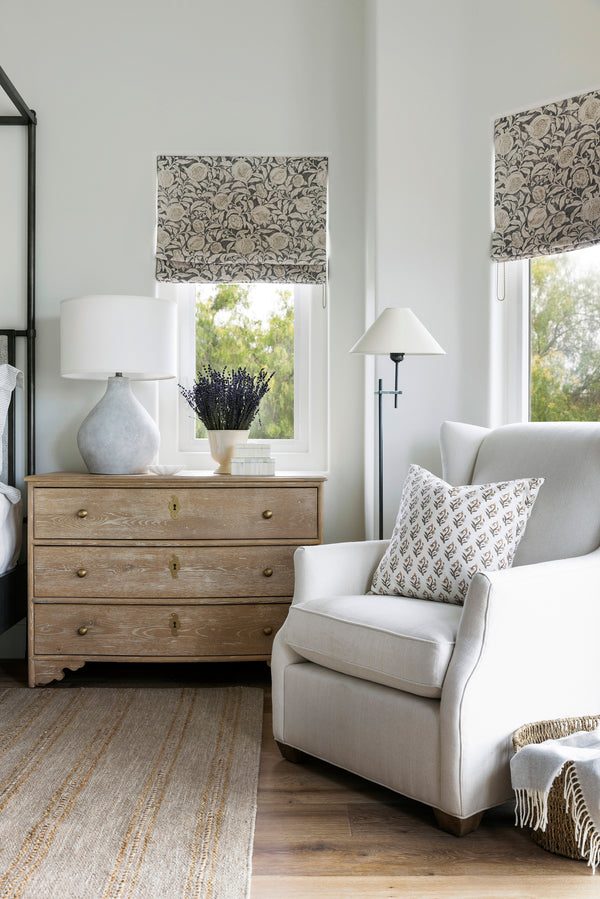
[
  {"x": 118, "y": 436},
  {"x": 222, "y": 445}
]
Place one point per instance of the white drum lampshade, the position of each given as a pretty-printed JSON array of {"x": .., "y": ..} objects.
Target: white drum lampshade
[{"x": 119, "y": 338}]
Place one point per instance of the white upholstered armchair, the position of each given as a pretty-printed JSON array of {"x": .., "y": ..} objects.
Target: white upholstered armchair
[{"x": 422, "y": 696}]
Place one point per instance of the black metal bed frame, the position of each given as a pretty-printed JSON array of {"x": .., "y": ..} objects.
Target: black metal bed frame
[
  {"x": 26, "y": 117},
  {"x": 13, "y": 584}
]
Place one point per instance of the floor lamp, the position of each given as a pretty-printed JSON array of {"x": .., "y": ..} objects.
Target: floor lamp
[{"x": 396, "y": 333}]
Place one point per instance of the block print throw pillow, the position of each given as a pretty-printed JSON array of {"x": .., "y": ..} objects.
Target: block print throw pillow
[{"x": 444, "y": 535}]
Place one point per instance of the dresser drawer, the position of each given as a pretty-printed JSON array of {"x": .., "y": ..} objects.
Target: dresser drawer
[
  {"x": 158, "y": 572},
  {"x": 157, "y": 631},
  {"x": 242, "y": 513}
]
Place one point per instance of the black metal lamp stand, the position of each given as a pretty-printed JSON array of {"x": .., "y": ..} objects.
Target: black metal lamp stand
[
  {"x": 395, "y": 327},
  {"x": 380, "y": 392}
]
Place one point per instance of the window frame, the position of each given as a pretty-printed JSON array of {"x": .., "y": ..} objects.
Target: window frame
[
  {"x": 510, "y": 346},
  {"x": 309, "y": 450},
  {"x": 510, "y": 376}
]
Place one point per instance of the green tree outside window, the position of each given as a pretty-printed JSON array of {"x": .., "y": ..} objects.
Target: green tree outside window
[
  {"x": 565, "y": 337},
  {"x": 230, "y": 333}
]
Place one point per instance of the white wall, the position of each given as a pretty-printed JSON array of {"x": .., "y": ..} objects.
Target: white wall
[
  {"x": 443, "y": 72},
  {"x": 117, "y": 82}
]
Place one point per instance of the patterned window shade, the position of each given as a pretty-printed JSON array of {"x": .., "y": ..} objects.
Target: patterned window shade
[
  {"x": 547, "y": 179},
  {"x": 242, "y": 218}
]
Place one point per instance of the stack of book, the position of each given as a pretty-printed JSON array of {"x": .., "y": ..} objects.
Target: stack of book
[{"x": 253, "y": 459}]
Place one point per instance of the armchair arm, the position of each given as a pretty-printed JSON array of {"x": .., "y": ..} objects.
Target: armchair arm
[
  {"x": 326, "y": 570},
  {"x": 526, "y": 650},
  {"x": 336, "y": 568}
]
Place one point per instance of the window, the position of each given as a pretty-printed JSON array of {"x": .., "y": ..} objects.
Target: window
[
  {"x": 565, "y": 336},
  {"x": 251, "y": 326},
  {"x": 282, "y": 327},
  {"x": 551, "y": 338},
  {"x": 254, "y": 219}
]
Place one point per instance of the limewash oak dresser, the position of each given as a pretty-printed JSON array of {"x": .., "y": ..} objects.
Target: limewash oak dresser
[{"x": 191, "y": 567}]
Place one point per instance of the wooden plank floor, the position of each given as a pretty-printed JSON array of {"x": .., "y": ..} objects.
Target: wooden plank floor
[{"x": 322, "y": 833}]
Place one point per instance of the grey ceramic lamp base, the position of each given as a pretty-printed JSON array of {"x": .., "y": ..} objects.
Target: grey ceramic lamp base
[{"x": 118, "y": 436}]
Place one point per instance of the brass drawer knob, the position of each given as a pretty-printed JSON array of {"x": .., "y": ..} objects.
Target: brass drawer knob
[
  {"x": 81, "y": 572},
  {"x": 268, "y": 572},
  {"x": 267, "y": 514},
  {"x": 82, "y": 513},
  {"x": 267, "y": 631},
  {"x": 82, "y": 631}
]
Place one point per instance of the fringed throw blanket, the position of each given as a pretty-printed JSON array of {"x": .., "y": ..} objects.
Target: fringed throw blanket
[{"x": 533, "y": 770}]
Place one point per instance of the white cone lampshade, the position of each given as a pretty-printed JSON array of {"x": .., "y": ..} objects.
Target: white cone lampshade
[{"x": 397, "y": 330}]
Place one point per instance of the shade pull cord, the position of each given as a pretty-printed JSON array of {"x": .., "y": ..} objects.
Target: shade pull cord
[
  {"x": 324, "y": 296},
  {"x": 501, "y": 281}
]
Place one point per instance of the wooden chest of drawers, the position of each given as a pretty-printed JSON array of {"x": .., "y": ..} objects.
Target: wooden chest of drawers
[{"x": 140, "y": 568}]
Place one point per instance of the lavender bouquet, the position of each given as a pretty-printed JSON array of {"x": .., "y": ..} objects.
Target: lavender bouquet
[{"x": 227, "y": 400}]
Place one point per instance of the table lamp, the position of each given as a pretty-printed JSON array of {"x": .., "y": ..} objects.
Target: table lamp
[
  {"x": 396, "y": 333},
  {"x": 122, "y": 339}
]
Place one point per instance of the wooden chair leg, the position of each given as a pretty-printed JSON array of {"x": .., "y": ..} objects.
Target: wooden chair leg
[
  {"x": 459, "y": 827},
  {"x": 292, "y": 754}
]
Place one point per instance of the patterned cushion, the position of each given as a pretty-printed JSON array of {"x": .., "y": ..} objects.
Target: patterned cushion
[{"x": 444, "y": 535}]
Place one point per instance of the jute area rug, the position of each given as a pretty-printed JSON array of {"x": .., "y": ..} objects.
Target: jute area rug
[{"x": 121, "y": 792}]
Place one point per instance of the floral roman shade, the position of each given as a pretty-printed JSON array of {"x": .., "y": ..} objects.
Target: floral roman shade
[
  {"x": 547, "y": 179},
  {"x": 242, "y": 218}
]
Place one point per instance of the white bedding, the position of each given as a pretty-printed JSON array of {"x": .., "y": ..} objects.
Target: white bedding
[
  {"x": 11, "y": 527},
  {"x": 10, "y": 377},
  {"x": 11, "y": 504}
]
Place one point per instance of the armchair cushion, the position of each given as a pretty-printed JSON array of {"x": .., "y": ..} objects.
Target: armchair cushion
[
  {"x": 444, "y": 535},
  {"x": 399, "y": 642}
]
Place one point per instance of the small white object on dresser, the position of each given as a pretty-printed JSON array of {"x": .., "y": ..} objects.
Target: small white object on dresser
[{"x": 253, "y": 459}]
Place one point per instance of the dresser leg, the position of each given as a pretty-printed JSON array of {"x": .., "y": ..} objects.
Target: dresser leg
[
  {"x": 45, "y": 670},
  {"x": 31, "y": 672}
]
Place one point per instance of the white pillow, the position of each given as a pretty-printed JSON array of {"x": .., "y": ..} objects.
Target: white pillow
[
  {"x": 444, "y": 535},
  {"x": 10, "y": 377}
]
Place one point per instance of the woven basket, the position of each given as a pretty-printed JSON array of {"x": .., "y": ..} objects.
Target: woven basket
[{"x": 559, "y": 836}]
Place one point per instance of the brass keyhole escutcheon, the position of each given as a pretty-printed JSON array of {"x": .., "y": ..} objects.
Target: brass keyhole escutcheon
[
  {"x": 82, "y": 513},
  {"x": 174, "y": 507},
  {"x": 174, "y": 566},
  {"x": 82, "y": 631},
  {"x": 267, "y": 631},
  {"x": 174, "y": 624},
  {"x": 267, "y": 514},
  {"x": 268, "y": 572}
]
